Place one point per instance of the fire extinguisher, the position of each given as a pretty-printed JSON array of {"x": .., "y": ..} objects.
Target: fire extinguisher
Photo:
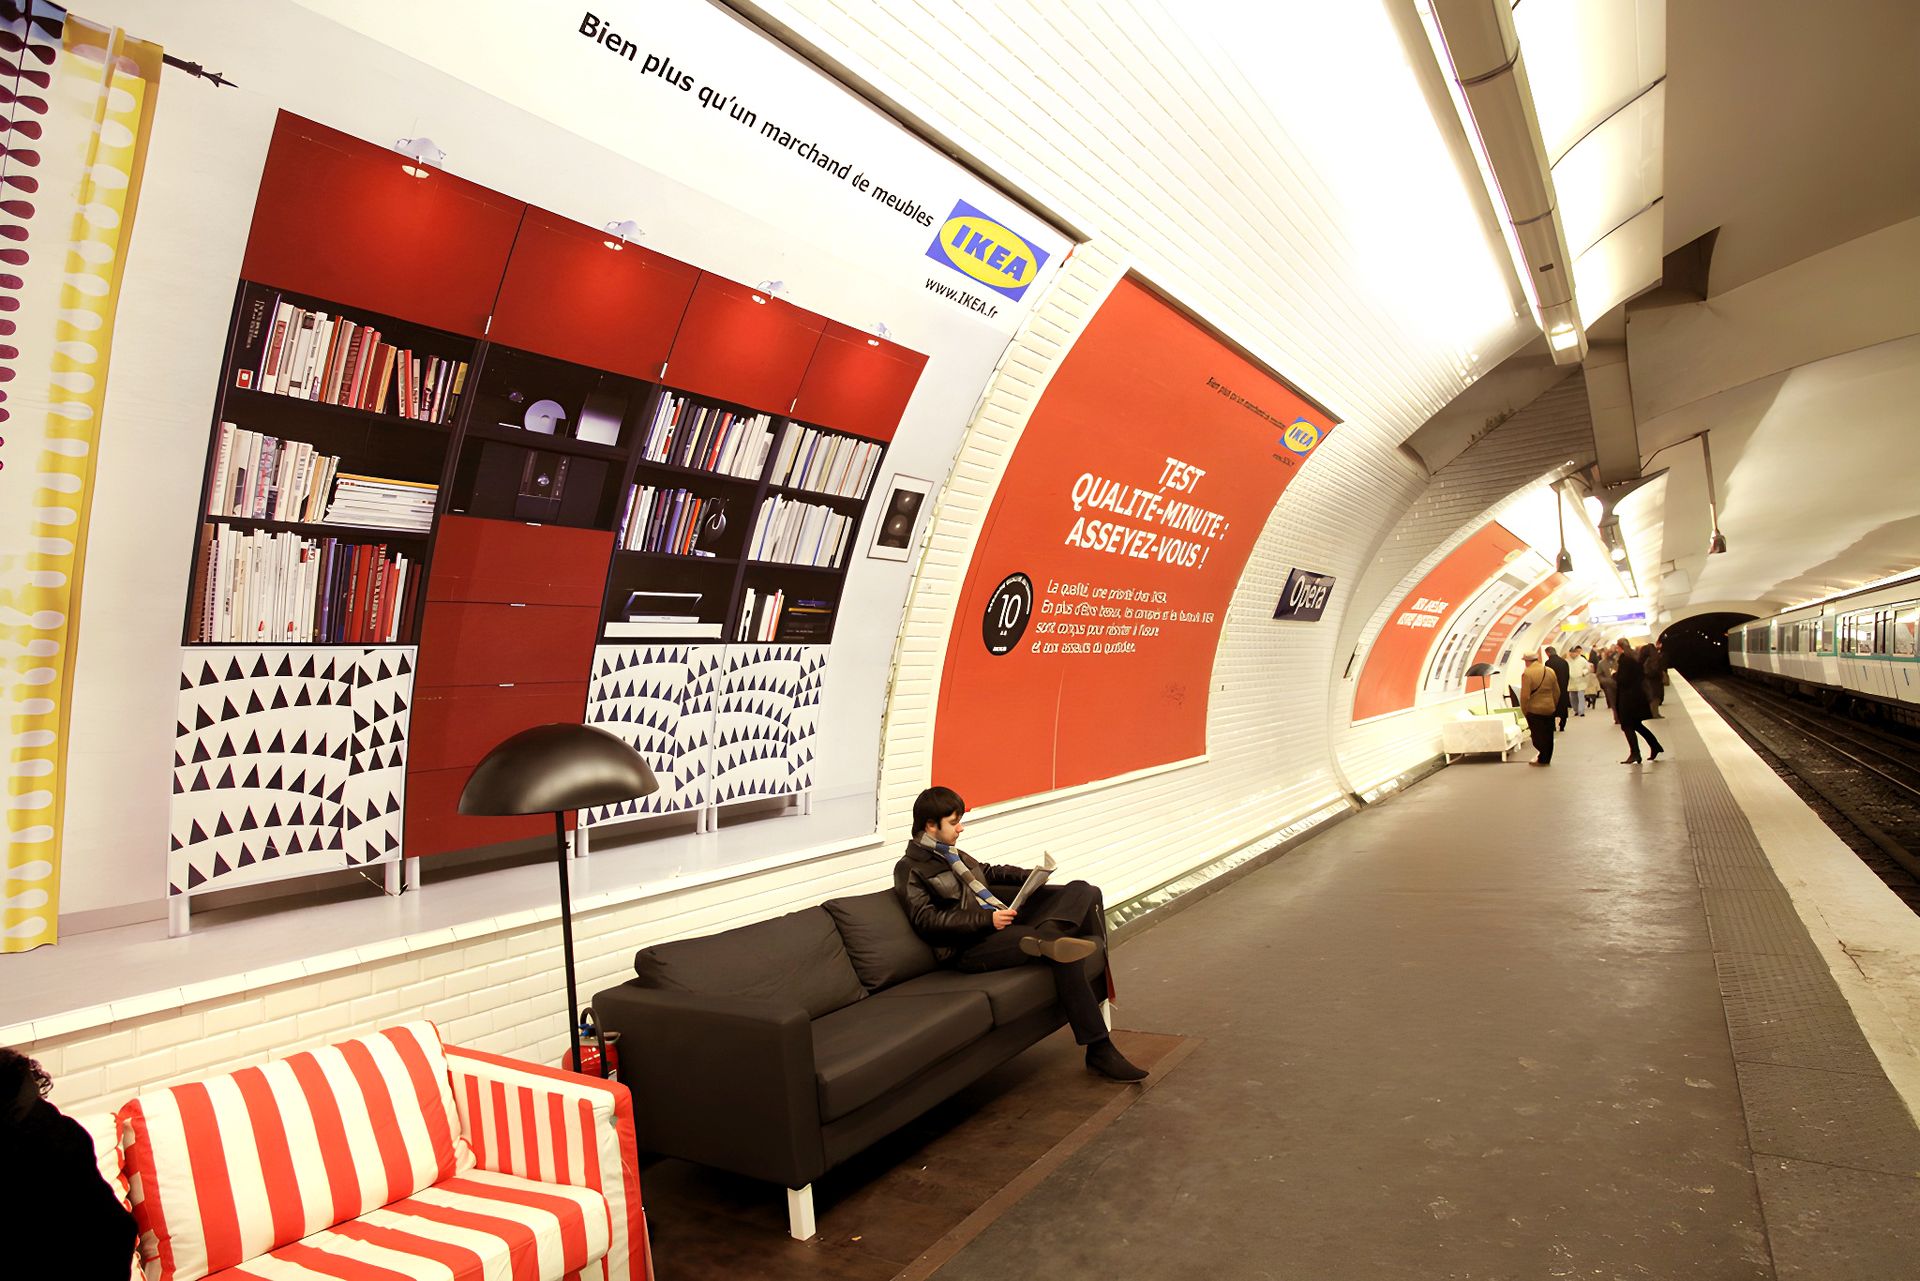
[{"x": 599, "y": 1051}]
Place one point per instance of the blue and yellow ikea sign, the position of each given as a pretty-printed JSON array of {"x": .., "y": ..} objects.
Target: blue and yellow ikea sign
[{"x": 987, "y": 251}]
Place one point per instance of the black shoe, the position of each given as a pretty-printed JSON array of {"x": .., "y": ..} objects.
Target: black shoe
[
  {"x": 1064, "y": 950},
  {"x": 1105, "y": 1058},
  {"x": 1631, "y": 760},
  {"x": 1656, "y": 753}
]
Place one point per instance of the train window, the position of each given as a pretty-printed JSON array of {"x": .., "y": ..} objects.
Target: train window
[{"x": 1906, "y": 631}]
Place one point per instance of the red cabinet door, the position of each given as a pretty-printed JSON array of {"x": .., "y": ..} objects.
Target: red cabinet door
[
  {"x": 453, "y": 728},
  {"x": 858, "y": 383},
  {"x": 435, "y": 824},
  {"x": 487, "y": 644},
  {"x": 733, "y": 348},
  {"x": 511, "y": 561},
  {"x": 338, "y": 219},
  {"x": 567, "y": 295}
]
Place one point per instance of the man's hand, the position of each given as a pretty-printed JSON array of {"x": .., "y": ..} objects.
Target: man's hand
[{"x": 1003, "y": 918}]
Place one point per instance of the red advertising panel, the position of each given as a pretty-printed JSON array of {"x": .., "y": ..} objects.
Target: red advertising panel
[
  {"x": 1399, "y": 654},
  {"x": 1084, "y": 642},
  {"x": 1502, "y": 630}
]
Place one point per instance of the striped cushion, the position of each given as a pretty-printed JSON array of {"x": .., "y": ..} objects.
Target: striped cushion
[
  {"x": 227, "y": 1169},
  {"x": 105, "y": 1131},
  {"x": 477, "y": 1227}
]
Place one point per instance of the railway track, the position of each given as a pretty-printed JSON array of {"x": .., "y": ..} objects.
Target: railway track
[{"x": 1863, "y": 783}]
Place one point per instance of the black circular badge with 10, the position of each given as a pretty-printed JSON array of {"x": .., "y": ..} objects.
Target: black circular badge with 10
[{"x": 1009, "y": 610}]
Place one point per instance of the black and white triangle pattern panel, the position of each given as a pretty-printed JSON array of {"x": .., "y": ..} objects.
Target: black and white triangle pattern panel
[
  {"x": 660, "y": 699},
  {"x": 763, "y": 719},
  {"x": 806, "y": 718},
  {"x": 376, "y": 788},
  {"x": 271, "y": 747}
]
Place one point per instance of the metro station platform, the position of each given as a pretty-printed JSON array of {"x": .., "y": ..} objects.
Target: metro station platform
[{"x": 1585, "y": 1021}]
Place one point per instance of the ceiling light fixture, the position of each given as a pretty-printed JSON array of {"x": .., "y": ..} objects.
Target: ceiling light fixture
[
  {"x": 879, "y": 331},
  {"x": 619, "y": 233},
  {"x": 1718, "y": 543},
  {"x": 1564, "y": 561},
  {"x": 425, "y": 157},
  {"x": 768, "y": 288}
]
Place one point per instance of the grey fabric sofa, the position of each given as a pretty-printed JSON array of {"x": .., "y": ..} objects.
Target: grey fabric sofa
[{"x": 780, "y": 1049}]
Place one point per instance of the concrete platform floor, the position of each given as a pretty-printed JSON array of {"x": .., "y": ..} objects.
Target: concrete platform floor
[{"x": 1513, "y": 1022}]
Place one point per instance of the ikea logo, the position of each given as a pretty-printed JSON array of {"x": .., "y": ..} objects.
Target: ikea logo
[
  {"x": 975, "y": 245},
  {"x": 1301, "y": 436}
]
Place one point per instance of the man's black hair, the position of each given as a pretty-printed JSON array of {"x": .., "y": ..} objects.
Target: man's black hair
[
  {"x": 935, "y": 804},
  {"x": 23, "y": 1083}
]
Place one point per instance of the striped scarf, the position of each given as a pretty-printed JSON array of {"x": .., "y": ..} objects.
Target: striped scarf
[{"x": 959, "y": 865}]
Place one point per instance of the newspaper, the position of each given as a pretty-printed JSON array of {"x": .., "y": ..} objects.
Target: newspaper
[{"x": 1035, "y": 879}]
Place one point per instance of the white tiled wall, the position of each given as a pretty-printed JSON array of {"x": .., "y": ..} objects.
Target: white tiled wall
[{"x": 1109, "y": 116}]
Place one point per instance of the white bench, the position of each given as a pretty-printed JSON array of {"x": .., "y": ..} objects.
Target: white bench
[{"x": 1473, "y": 734}]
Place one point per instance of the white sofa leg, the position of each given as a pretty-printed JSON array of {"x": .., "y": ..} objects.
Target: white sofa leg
[{"x": 800, "y": 1213}]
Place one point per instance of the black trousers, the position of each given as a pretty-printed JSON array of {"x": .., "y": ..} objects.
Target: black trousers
[
  {"x": 1635, "y": 725},
  {"x": 1542, "y": 727},
  {"x": 1053, "y": 911}
]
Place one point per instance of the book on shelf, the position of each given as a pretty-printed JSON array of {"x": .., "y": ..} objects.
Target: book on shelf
[
  {"x": 683, "y": 629},
  {"x": 380, "y": 503},
  {"x": 288, "y": 350},
  {"x": 728, "y": 442},
  {"x": 653, "y": 605},
  {"x": 667, "y": 520},
  {"x": 792, "y": 531},
  {"x": 252, "y": 476},
  {"x": 825, "y": 462},
  {"x": 263, "y": 587},
  {"x": 804, "y": 620},
  {"x": 760, "y": 615}
]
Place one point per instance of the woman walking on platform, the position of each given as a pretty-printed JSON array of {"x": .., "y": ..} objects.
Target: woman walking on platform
[
  {"x": 1540, "y": 700},
  {"x": 1630, "y": 705}
]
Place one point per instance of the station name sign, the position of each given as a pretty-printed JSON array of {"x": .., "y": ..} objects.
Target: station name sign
[{"x": 1305, "y": 597}]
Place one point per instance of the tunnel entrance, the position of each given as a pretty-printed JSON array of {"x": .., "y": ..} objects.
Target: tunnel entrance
[{"x": 1697, "y": 646}]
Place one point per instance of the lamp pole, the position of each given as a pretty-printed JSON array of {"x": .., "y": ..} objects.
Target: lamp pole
[{"x": 566, "y": 934}]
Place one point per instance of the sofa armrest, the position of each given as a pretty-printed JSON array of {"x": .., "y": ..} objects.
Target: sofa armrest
[
  {"x": 558, "y": 1127},
  {"x": 725, "y": 1081}
]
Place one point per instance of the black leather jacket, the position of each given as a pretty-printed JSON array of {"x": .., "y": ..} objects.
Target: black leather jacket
[{"x": 943, "y": 910}]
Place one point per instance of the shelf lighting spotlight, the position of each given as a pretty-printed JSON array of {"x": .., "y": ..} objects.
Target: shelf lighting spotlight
[
  {"x": 423, "y": 157},
  {"x": 879, "y": 331},
  {"x": 767, "y": 288},
  {"x": 1563, "y": 337},
  {"x": 619, "y": 233}
]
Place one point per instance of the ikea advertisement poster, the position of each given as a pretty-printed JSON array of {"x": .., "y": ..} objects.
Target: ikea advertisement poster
[{"x": 1084, "y": 644}]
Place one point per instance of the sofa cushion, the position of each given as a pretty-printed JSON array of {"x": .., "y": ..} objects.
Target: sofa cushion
[
  {"x": 880, "y": 939},
  {"x": 1012, "y": 993},
  {"x": 229, "y": 1168},
  {"x": 797, "y": 959},
  {"x": 476, "y": 1225},
  {"x": 866, "y": 1050}
]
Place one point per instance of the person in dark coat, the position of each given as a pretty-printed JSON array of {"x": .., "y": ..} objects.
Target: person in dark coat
[
  {"x": 58, "y": 1217},
  {"x": 1653, "y": 666},
  {"x": 1540, "y": 700},
  {"x": 1561, "y": 670},
  {"x": 958, "y": 905},
  {"x": 1630, "y": 705}
]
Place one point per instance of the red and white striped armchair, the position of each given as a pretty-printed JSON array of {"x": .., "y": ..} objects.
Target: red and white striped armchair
[{"x": 386, "y": 1157}]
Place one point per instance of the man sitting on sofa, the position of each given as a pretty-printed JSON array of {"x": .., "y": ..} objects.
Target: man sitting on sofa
[{"x": 959, "y": 907}]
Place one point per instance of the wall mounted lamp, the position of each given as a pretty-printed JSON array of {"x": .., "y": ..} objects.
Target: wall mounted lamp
[
  {"x": 768, "y": 288},
  {"x": 1564, "y": 561},
  {"x": 619, "y": 233},
  {"x": 423, "y": 156}
]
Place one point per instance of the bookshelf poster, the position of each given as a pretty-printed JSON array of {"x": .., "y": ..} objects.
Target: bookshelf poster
[
  {"x": 1084, "y": 643},
  {"x": 66, "y": 225},
  {"x": 1390, "y": 680},
  {"x": 1509, "y": 621}
]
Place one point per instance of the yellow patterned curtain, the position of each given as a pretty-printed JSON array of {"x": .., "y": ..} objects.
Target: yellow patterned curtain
[{"x": 78, "y": 105}]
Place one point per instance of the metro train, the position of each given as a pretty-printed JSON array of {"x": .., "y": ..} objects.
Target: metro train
[{"x": 1858, "y": 648}]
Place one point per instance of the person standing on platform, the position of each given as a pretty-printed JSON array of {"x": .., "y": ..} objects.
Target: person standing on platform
[
  {"x": 1540, "y": 700},
  {"x": 1593, "y": 680},
  {"x": 1631, "y": 707},
  {"x": 1653, "y": 661},
  {"x": 1561, "y": 671},
  {"x": 1609, "y": 660},
  {"x": 1579, "y": 672},
  {"x": 959, "y": 906}
]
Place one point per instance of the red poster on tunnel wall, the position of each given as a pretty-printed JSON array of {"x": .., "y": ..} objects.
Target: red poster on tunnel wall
[
  {"x": 1391, "y": 678},
  {"x": 1502, "y": 630},
  {"x": 1084, "y": 641}
]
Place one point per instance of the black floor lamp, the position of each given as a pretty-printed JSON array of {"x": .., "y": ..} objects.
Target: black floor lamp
[
  {"x": 1483, "y": 670},
  {"x": 553, "y": 769}
]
